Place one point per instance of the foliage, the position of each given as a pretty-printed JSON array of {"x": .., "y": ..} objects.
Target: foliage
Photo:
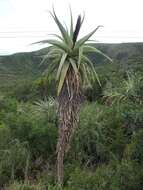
[
  {"x": 134, "y": 150},
  {"x": 101, "y": 136},
  {"x": 116, "y": 175},
  {"x": 14, "y": 161},
  {"x": 22, "y": 186},
  {"x": 107, "y": 150},
  {"x": 130, "y": 88}
]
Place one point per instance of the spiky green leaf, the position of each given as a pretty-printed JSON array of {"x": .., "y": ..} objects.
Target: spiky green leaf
[
  {"x": 71, "y": 25},
  {"x": 62, "y": 76},
  {"x": 80, "y": 56},
  {"x": 62, "y": 62},
  {"x": 59, "y": 44},
  {"x": 57, "y": 36},
  {"x": 85, "y": 75},
  {"x": 63, "y": 31},
  {"x": 93, "y": 68},
  {"x": 89, "y": 48},
  {"x": 74, "y": 66}
]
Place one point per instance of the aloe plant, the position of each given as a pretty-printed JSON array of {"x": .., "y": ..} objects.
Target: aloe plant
[{"x": 72, "y": 69}]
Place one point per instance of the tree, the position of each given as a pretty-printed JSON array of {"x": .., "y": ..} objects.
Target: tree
[{"x": 67, "y": 59}]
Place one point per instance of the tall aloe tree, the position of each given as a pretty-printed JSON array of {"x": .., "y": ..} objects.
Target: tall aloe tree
[{"x": 73, "y": 69}]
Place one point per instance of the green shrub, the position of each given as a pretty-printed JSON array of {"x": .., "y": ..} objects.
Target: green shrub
[
  {"x": 42, "y": 139},
  {"x": 84, "y": 179},
  {"x": 14, "y": 161},
  {"x": 132, "y": 115},
  {"x": 100, "y": 136},
  {"x": 123, "y": 175},
  {"x": 25, "y": 91},
  {"x": 19, "y": 124},
  {"x": 8, "y": 104},
  {"x": 38, "y": 130},
  {"x": 134, "y": 150},
  {"x": 5, "y": 136},
  {"x": 24, "y": 186}
]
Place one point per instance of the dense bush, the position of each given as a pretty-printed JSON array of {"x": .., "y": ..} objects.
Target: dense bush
[
  {"x": 25, "y": 186},
  {"x": 134, "y": 150},
  {"x": 123, "y": 175},
  {"x": 107, "y": 148},
  {"x": 14, "y": 161},
  {"x": 101, "y": 135},
  {"x": 102, "y": 146}
]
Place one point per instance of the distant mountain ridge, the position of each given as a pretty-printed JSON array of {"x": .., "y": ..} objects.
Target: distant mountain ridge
[{"x": 24, "y": 66}]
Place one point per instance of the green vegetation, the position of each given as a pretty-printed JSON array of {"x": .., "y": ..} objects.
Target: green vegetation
[{"x": 107, "y": 149}]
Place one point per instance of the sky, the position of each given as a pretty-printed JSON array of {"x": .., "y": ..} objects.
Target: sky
[{"x": 23, "y": 22}]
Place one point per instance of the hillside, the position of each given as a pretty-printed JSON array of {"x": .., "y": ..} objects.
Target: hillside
[
  {"x": 17, "y": 67},
  {"x": 25, "y": 66}
]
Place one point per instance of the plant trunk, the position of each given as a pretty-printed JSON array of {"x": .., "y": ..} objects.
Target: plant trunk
[
  {"x": 69, "y": 102},
  {"x": 60, "y": 166}
]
